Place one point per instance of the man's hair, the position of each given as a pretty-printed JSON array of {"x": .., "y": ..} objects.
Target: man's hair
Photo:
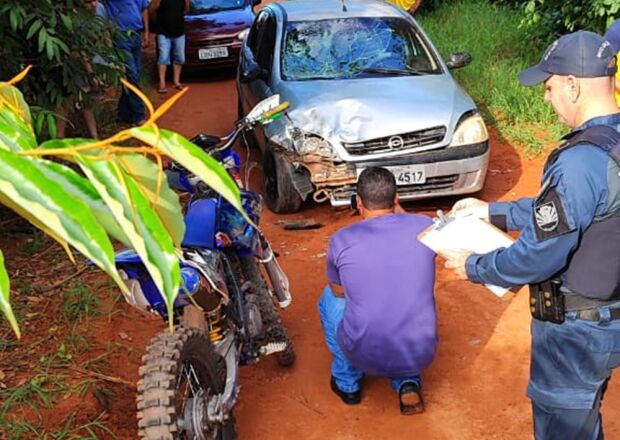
[{"x": 377, "y": 188}]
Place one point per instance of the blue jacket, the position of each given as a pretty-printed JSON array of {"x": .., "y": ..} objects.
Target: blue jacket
[{"x": 584, "y": 184}]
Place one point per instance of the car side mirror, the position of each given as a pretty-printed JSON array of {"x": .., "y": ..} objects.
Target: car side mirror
[
  {"x": 252, "y": 71},
  {"x": 458, "y": 60},
  {"x": 256, "y": 2}
]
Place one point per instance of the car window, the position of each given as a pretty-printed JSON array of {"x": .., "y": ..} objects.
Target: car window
[
  {"x": 353, "y": 48},
  {"x": 204, "y": 6},
  {"x": 255, "y": 31},
  {"x": 266, "y": 43}
]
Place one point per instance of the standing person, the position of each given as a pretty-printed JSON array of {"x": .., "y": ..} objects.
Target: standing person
[
  {"x": 377, "y": 313},
  {"x": 131, "y": 17},
  {"x": 169, "y": 16},
  {"x": 90, "y": 86},
  {"x": 613, "y": 36},
  {"x": 569, "y": 246}
]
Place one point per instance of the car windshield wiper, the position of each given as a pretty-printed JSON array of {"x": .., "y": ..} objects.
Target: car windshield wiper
[{"x": 386, "y": 71}]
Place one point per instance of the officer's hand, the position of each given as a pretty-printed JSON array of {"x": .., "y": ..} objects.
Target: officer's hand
[
  {"x": 455, "y": 260},
  {"x": 471, "y": 206}
]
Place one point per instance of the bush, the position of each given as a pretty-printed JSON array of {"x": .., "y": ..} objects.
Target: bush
[
  {"x": 56, "y": 37},
  {"x": 548, "y": 19}
]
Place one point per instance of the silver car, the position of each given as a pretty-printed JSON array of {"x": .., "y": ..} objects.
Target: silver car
[{"x": 366, "y": 88}]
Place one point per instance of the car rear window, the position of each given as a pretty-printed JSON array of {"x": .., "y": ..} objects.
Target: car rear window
[
  {"x": 353, "y": 48},
  {"x": 205, "y": 6}
]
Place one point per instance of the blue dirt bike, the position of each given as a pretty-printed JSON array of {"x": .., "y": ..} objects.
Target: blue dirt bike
[{"x": 225, "y": 313}]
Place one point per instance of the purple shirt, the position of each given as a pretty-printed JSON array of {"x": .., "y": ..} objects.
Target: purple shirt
[{"x": 389, "y": 326}]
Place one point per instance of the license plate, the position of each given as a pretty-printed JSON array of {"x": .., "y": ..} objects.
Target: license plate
[
  {"x": 408, "y": 175},
  {"x": 214, "y": 52}
]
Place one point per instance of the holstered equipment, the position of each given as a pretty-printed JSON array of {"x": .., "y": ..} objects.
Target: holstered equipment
[{"x": 547, "y": 301}]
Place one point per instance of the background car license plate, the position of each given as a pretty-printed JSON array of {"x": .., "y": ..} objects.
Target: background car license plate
[
  {"x": 214, "y": 52},
  {"x": 408, "y": 175}
]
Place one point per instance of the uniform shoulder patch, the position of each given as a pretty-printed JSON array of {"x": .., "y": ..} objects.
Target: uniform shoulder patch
[{"x": 549, "y": 214}]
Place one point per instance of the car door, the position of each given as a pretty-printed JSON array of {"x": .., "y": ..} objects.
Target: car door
[{"x": 258, "y": 50}]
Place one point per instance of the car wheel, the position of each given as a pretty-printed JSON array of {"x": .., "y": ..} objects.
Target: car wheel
[{"x": 280, "y": 195}]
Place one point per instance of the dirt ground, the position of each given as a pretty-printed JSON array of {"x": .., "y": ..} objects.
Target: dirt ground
[{"x": 475, "y": 388}]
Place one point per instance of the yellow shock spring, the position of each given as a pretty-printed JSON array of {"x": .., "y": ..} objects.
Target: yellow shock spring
[{"x": 215, "y": 330}]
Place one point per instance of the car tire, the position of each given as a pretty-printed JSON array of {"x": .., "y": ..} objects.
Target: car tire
[{"x": 280, "y": 195}]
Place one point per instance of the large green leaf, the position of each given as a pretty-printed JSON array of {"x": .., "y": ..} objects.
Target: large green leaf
[
  {"x": 194, "y": 159},
  {"x": 14, "y": 97},
  {"x": 80, "y": 188},
  {"x": 70, "y": 219},
  {"x": 15, "y": 133},
  {"x": 166, "y": 203},
  {"x": 141, "y": 224},
  {"x": 5, "y": 291}
]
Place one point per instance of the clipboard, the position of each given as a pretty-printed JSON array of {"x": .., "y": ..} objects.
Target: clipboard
[{"x": 467, "y": 233}]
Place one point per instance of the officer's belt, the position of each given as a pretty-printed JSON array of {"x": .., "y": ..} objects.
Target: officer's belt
[{"x": 587, "y": 308}]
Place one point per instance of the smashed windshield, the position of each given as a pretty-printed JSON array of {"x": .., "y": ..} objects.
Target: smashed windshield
[
  {"x": 204, "y": 6},
  {"x": 354, "y": 48}
]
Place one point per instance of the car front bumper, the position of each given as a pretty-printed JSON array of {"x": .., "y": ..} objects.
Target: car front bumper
[{"x": 449, "y": 171}]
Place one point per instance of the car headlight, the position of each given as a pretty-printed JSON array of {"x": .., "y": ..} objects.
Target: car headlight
[
  {"x": 312, "y": 144},
  {"x": 470, "y": 131}
]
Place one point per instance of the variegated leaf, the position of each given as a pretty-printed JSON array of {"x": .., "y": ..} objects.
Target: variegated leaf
[
  {"x": 13, "y": 98},
  {"x": 5, "y": 292},
  {"x": 165, "y": 202},
  {"x": 70, "y": 219},
  {"x": 182, "y": 151},
  {"x": 140, "y": 223},
  {"x": 79, "y": 187}
]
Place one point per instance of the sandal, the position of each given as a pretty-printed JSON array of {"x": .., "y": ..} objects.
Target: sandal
[
  {"x": 178, "y": 86},
  {"x": 162, "y": 91},
  {"x": 410, "y": 399}
]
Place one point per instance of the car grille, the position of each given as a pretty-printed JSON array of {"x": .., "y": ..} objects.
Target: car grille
[
  {"x": 209, "y": 43},
  {"x": 432, "y": 184},
  {"x": 414, "y": 139}
]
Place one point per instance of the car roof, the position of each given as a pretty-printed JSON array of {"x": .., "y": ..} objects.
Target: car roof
[{"x": 306, "y": 10}]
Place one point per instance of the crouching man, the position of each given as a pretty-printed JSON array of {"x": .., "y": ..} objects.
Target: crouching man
[{"x": 378, "y": 312}]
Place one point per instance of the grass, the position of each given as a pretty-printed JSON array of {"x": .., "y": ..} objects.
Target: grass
[
  {"x": 80, "y": 302},
  {"x": 499, "y": 50}
]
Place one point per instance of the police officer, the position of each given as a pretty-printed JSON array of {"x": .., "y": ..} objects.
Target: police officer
[{"x": 569, "y": 246}]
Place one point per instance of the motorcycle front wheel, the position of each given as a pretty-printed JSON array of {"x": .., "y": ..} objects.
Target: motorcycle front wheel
[{"x": 180, "y": 373}]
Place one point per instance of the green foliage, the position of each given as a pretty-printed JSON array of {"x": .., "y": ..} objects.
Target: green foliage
[
  {"x": 79, "y": 302},
  {"x": 117, "y": 193},
  {"x": 57, "y": 37},
  {"x": 519, "y": 113},
  {"x": 546, "y": 20}
]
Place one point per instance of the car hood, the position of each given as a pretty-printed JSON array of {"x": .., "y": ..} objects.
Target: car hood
[
  {"x": 218, "y": 23},
  {"x": 362, "y": 109}
]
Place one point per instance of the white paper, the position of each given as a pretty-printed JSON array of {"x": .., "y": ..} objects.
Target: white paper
[{"x": 467, "y": 233}]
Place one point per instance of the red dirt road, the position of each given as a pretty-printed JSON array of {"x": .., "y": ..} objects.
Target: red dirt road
[{"x": 475, "y": 389}]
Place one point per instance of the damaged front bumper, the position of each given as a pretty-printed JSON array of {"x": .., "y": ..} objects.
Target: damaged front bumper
[{"x": 447, "y": 171}]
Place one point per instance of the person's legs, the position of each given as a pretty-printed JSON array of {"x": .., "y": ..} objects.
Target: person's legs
[
  {"x": 331, "y": 312},
  {"x": 163, "y": 59},
  {"x": 62, "y": 113},
  {"x": 567, "y": 424},
  {"x": 570, "y": 366},
  {"x": 178, "y": 59},
  {"x": 397, "y": 382},
  {"x": 91, "y": 123},
  {"x": 130, "y": 106}
]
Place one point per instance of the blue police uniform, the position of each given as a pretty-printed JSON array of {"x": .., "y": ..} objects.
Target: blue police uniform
[{"x": 571, "y": 229}]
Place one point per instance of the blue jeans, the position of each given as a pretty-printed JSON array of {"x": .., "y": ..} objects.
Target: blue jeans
[
  {"x": 331, "y": 312},
  {"x": 570, "y": 367},
  {"x": 130, "y": 107},
  {"x": 165, "y": 45}
]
